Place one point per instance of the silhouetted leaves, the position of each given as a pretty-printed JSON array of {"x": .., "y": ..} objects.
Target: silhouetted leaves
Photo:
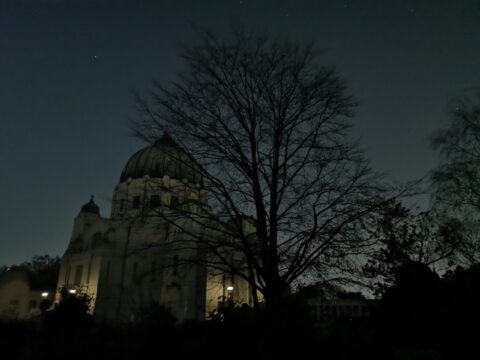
[{"x": 405, "y": 236}]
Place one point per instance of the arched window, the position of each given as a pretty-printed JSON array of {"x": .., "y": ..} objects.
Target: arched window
[
  {"x": 77, "y": 280},
  {"x": 155, "y": 201}
]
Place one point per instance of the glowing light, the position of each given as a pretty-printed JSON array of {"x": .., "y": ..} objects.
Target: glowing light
[
  {"x": 229, "y": 288},
  {"x": 72, "y": 291},
  {"x": 44, "y": 294}
]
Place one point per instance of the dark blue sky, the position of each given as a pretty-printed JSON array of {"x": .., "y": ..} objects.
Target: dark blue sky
[{"x": 67, "y": 68}]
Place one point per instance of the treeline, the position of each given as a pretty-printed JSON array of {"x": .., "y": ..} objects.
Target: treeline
[{"x": 421, "y": 316}]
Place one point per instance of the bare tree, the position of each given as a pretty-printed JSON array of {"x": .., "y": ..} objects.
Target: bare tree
[
  {"x": 289, "y": 190},
  {"x": 456, "y": 180}
]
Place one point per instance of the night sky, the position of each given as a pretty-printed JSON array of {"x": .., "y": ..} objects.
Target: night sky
[{"x": 67, "y": 69}]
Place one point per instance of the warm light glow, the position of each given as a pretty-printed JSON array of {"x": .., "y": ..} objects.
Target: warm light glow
[
  {"x": 72, "y": 291},
  {"x": 44, "y": 294},
  {"x": 229, "y": 288}
]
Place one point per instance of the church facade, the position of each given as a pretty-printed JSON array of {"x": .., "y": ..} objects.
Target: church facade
[{"x": 132, "y": 259}]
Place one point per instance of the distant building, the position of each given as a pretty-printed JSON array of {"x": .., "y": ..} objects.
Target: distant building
[
  {"x": 131, "y": 260},
  {"x": 328, "y": 309},
  {"x": 325, "y": 311},
  {"x": 21, "y": 296}
]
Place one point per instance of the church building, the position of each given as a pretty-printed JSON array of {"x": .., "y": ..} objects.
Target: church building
[{"x": 131, "y": 260}]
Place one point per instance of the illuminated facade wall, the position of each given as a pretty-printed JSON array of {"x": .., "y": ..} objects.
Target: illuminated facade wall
[{"x": 132, "y": 259}]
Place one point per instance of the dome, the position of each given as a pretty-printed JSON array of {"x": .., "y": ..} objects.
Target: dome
[
  {"x": 91, "y": 207},
  {"x": 162, "y": 158}
]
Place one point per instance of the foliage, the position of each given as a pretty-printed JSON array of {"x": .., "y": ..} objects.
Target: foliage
[
  {"x": 288, "y": 333},
  {"x": 409, "y": 310},
  {"x": 155, "y": 316},
  {"x": 406, "y": 236},
  {"x": 39, "y": 263},
  {"x": 422, "y": 312},
  {"x": 228, "y": 311},
  {"x": 270, "y": 128},
  {"x": 43, "y": 271},
  {"x": 71, "y": 311}
]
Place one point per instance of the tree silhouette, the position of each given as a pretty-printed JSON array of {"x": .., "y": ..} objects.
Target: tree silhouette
[
  {"x": 269, "y": 127},
  {"x": 43, "y": 271},
  {"x": 405, "y": 236},
  {"x": 456, "y": 180},
  {"x": 410, "y": 312}
]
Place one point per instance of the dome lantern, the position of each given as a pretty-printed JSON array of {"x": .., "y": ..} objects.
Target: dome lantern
[{"x": 90, "y": 207}]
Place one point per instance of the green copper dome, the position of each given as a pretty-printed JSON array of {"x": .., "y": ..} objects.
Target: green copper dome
[{"x": 162, "y": 158}]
